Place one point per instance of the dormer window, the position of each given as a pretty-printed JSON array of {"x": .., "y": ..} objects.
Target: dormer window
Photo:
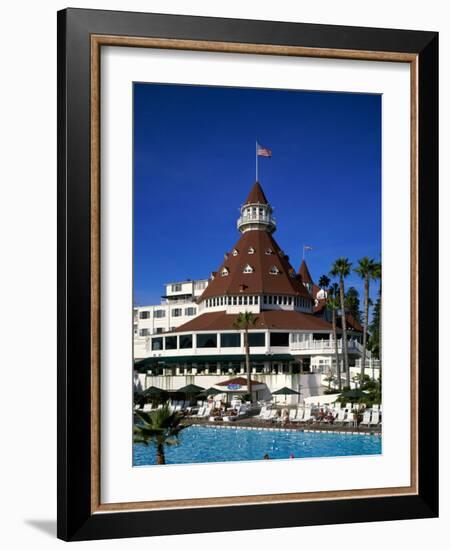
[
  {"x": 269, "y": 251},
  {"x": 274, "y": 270},
  {"x": 235, "y": 252},
  {"x": 248, "y": 269},
  {"x": 251, "y": 250},
  {"x": 225, "y": 271}
]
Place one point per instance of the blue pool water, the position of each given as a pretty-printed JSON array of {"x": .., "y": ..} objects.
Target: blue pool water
[{"x": 209, "y": 444}]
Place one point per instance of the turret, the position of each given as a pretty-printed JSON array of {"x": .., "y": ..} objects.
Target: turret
[{"x": 256, "y": 212}]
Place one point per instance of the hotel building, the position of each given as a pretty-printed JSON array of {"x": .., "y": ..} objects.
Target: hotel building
[{"x": 190, "y": 338}]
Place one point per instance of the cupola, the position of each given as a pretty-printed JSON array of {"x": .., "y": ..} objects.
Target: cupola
[{"x": 256, "y": 212}]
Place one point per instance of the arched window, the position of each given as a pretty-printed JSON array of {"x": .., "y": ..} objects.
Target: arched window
[
  {"x": 225, "y": 271},
  {"x": 248, "y": 269},
  {"x": 274, "y": 270}
]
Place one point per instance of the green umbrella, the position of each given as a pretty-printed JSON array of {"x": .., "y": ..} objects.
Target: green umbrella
[
  {"x": 286, "y": 391},
  {"x": 153, "y": 391},
  {"x": 190, "y": 389},
  {"x": 353, "y": 394},
  {"x": 211, "y": 391}
]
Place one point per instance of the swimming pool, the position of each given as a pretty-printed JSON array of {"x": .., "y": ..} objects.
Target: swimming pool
[{"x": 216, "y": 444}]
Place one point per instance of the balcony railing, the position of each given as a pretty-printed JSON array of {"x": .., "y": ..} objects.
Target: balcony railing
[{"x": 327, "y": 345}]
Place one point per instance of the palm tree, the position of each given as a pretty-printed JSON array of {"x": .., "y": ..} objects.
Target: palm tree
[
  {"x": 333, "y": 306},
  {"x": 377, "y": 275},
  {"x": 160, "y": 427},
  {"x": 341, "y": 268},
  {"x": 365, "y": 269},
  {"x": 243, "y": 322}
]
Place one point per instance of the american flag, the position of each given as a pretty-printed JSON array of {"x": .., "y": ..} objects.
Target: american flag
[{"x": 263, "y": 151}]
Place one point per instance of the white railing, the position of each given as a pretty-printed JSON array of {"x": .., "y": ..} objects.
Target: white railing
[
  {"x": 257, "y": 218},
  {"x": 165, "y": 301},
  {"x": 371, "y": 363},
  {"x": 327, "y": 345}
]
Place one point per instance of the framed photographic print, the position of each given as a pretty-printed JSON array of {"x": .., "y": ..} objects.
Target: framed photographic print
[{"x": 247, "y": 274}]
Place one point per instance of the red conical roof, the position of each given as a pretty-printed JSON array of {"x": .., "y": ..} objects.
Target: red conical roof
[
  {"x": 306, "y": 275},
  {"x": 256, "y": 195},
  {"x": 252, "y": 250}
]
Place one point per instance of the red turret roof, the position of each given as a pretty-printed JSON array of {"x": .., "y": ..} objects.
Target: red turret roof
[
  {"x": 304, "y": 272},
  {"x": 256, "y": 195},
  {"x": 252, "y": 250}
]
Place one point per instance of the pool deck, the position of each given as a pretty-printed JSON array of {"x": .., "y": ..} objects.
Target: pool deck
[{"x": 252, "y": 423}]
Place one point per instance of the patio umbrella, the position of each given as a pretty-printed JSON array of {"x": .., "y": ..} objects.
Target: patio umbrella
[
  {"x": 210, "y": 391},
  {"x": 190, "y": 389},
  {"x": 286, "y": 391},
  {"x": 353, "y": 394},
  {"x": 153, "y": 391}
]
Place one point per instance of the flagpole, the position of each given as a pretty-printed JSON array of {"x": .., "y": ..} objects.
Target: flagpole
[{"x": 256, "y": 159}]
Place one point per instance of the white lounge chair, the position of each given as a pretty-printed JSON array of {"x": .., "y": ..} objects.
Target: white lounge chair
[
  {"x": 201, "y": 411},
  {"x": 341, "y": 416},
  {"x": 292, "y": 414},
  {"x": 262, "y": 412},
  {"x": 375, "y": 418},
  {"x": 299, "y": 416},
  {"x": 350, "y": 419},
  {"x": 307, "y": 417},
  {"x": 147, "y": 407},
  {"x": 366, "y": 418}
]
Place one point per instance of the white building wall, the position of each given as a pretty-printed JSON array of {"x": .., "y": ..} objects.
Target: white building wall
[{"x": 307, "y": 384}]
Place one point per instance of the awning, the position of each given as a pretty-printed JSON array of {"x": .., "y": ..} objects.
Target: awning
[{"x": 199, "y": 359}]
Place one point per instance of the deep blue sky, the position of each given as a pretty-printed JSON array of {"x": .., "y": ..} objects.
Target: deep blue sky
[{"x": 194, "y": 164}]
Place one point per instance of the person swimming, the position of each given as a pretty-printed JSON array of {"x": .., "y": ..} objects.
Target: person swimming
[{"x": 266, "y": 457}]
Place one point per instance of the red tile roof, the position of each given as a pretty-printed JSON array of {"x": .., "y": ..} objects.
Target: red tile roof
[
  {"x": 352, "y": 323},
  {"x": 304, "y": 272},
  {"x": 260, "y": 281},
  {"x": 256, "y": 195},
  {"x": 268, "y": 319},
  {"x": 320, "y": 306}
]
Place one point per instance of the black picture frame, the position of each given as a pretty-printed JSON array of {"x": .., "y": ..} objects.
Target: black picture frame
[{"x": 75, "y": 519}]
